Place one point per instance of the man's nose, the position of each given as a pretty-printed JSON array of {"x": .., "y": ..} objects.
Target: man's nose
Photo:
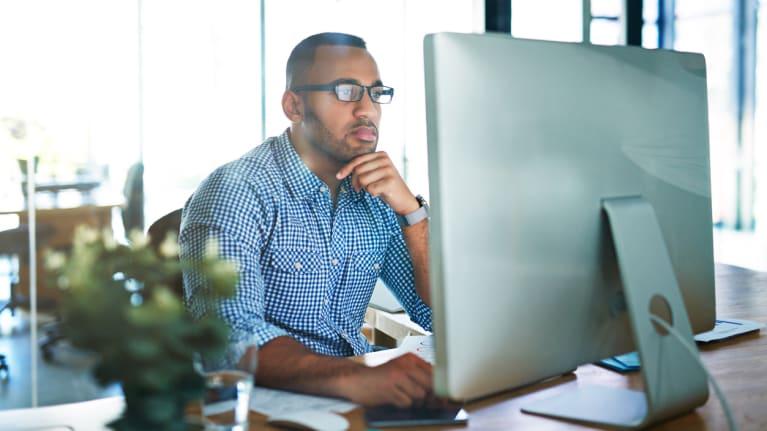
[{"x": 365, "y": 107}]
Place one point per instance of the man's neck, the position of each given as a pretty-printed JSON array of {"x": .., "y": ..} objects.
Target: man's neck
[{"x": 319, "y": 163}]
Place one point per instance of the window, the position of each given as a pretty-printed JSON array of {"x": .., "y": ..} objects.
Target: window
[
  {"x": 708, "y": 28},
  {"x": 606, "y": 22},
  {"x": 76, "y": 93},
  {"x": 651, "y": 24},
  {"x": 201, "y": 93},
  {"x": 559, "y": 20},
  {"x": 760, "y": 125}
]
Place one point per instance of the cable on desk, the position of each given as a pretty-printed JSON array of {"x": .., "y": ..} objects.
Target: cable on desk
[{"x": 694, "y": 354}]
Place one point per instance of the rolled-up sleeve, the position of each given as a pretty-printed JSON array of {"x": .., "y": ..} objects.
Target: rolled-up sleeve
[
  {"x": 230, "y": 212},
  {"x": 397, "y": 275}
]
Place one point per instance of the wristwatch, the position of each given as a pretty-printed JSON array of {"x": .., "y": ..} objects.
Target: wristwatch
[{"x": 416, "y": 216}]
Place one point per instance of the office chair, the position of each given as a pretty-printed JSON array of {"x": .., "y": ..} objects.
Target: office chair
[{"x": 169, "y": 223}]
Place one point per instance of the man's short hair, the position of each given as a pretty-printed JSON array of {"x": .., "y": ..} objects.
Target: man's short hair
[{"x": 302, "y": 56}]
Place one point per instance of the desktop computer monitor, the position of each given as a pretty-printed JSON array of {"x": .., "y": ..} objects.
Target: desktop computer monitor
[{"x": 526, "y": 140}]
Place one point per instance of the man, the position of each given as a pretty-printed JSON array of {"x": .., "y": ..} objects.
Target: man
[{"x": 313, "y": 218}]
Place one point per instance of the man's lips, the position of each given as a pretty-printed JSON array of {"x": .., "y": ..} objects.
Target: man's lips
[{"x": 364, "y": 133}]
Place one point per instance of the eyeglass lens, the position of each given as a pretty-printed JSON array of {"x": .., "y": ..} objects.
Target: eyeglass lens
[{"x": 354, "y": 92}]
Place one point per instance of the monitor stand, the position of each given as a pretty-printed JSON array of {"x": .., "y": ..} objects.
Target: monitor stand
[{"x": 674, "y": 383}]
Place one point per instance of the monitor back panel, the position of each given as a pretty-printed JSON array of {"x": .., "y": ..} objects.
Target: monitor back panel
[{"x": 525, "y": 140}]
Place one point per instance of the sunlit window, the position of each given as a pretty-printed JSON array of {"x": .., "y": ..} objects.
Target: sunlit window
[
  {"x": 559, "y": 20},
  {"x": 708, "y": 28},
  {"x": 760, "y": 123},
  {"x": 650, "y": 25},
  {"x": 86, "y": 74},
  {"x": 69, "y": 75},
  {"x": 606, "y": 26},
  {"x": 201, "y": 93}
]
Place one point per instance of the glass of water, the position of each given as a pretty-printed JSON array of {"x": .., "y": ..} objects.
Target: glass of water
[
  {"x": 226, "y": 402},
  {"x": 228, "y": 384}
]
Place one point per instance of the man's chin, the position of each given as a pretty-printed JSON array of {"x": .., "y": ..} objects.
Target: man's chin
[{"x": 358, "y": 147}]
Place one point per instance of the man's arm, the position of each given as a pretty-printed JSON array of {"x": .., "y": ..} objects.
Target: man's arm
[
  {"x": 287, "y": 364},
  {"x": 282, "y": 362},
  {"x": 417, "y": 240},
  {"x": 376, "y": 173}
]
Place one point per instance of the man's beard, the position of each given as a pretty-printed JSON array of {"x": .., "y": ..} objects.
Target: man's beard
[{"x": 322, "y": 140}]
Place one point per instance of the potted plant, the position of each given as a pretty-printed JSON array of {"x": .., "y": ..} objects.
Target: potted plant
[{"x": 123, "y": 303}]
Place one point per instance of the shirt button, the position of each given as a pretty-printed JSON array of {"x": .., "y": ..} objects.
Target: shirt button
[
  {"x": 323, "y": 189},
  {"x": 376, "y": 266},
  {"x": 334, "y": 261},
  {"x": 327, "y": 301},
  {"x": 297, "y": 265},
  {"x": 343, "y": 189}
]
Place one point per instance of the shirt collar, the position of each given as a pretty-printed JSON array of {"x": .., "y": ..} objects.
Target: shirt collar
[{"x": 301, "y": 181}]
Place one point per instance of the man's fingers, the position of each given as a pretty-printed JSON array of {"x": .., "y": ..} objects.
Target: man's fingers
[
  {"x": 413, "y": 391},
  {"x": 421, "y": 377},
  {"x": 419, "y": 371},
  {"x": 368, "y": 178},
  {"x": 370, "y": 165},
  {"x": 418, "y": 361},
  {"x": 349, "y": 167},
  {"x": 377, "y": 188},
  {"x": 401, "y": 399}
]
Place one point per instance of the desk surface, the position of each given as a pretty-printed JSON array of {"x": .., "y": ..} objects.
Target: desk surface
[{"x": 739, "y": 366}]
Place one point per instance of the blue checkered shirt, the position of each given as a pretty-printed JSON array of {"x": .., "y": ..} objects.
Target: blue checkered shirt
[{"x": 307, "y": 269}]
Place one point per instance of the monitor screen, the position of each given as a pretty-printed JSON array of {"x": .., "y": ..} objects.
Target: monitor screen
[{"x": 526, "y": 139}]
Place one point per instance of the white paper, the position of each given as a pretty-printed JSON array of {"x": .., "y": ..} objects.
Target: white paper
[
  {"x": 726, "y": 328},
  {"x": 272, "y": 402},
  {"x": 421, "y": 345}
]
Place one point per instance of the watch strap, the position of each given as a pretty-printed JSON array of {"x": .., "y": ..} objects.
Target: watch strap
[{"x": 416, "y": 216}]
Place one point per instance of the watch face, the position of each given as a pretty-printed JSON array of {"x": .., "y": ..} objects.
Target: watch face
[{"x": 422, "y": 201}]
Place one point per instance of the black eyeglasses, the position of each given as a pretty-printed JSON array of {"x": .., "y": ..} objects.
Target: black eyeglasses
[{"x": 350, "y": 92}]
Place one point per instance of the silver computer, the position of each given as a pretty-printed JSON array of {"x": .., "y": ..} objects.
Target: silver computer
[{"x": 526, "y": 140}]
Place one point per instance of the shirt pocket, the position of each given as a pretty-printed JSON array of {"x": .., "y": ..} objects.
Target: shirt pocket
[
  {"x": 295, "y": 287},
  {"x": 296, "y": 262},
  {"x": 368, "y": 263}
]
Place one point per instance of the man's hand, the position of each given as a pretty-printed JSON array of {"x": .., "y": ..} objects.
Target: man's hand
[
  {"x": 376, "y": 173},
  {"x": 403, "y": 382}
]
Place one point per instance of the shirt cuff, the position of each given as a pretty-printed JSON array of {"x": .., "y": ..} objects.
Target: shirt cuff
[{"x": 422, "y": 316}]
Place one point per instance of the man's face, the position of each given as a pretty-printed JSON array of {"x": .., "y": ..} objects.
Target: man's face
[{"x": 341, "y": 130}]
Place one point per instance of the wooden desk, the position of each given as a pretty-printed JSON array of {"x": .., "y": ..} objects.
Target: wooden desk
[{"x": 739, "y": 366}]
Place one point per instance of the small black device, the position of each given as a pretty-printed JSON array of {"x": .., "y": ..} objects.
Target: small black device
[{"x": 390, "y": 416}]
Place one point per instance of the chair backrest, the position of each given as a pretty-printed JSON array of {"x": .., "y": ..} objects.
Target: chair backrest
[
  {"x": 158, "y": 231},
  {"x": 133, "y": 211},
  {"x": 166, "y": 224}
]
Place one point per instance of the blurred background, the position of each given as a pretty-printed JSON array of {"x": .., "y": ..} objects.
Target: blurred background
[{"x": 121, "y": 107}]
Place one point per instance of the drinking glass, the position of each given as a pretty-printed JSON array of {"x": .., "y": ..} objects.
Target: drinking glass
[{"x": 228, "y": 384}]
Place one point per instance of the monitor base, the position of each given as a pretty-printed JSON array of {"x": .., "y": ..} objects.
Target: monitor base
[
  {"x": 674, "y": 383},
  {"x": 615, "y": 407}
]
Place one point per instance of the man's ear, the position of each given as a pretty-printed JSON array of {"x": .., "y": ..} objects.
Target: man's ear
[{"x": 292, "y": 106}]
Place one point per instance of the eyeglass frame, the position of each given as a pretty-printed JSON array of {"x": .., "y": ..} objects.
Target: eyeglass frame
[{"x": 331, "y": 87}]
